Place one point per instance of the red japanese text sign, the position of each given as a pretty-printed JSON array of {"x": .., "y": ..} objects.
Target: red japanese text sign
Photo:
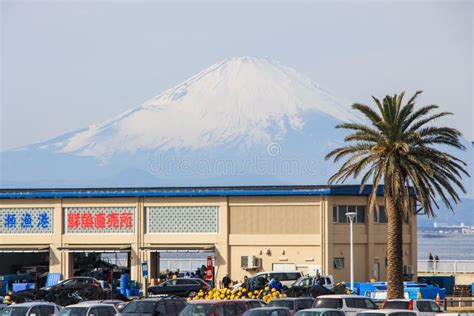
[{"x": 99, "y": 220}]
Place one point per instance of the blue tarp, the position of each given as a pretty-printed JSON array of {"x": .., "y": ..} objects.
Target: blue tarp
[
  {"x": 53, "y": 279},
  {"x": 18, "y": 287}
]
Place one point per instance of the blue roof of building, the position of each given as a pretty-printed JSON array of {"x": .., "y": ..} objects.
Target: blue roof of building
[{"x": 188, "y": 191}]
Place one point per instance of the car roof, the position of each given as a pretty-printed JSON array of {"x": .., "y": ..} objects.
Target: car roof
[
  {"x": 341, "y": 296},
  {"x": 159, "y": 298},
  {"x": 278, "y": 271},
  {"x": 322, "y": 310},
  {"x": 29, "y": 304},
  {"x": 213, "y": 302},
  {"x": 388, "y": 311},
  {"x": 293, "y": 298},
  {"x": 268, "y": 308},
  {"x": 110, "y": 301},
  {"x": 90, "y": 304},
  {"x": 409, "y": 299}
]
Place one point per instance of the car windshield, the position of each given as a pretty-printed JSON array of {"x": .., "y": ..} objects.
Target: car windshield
[
  {"x": 74, "y": 282},
  {"x": 396, "y": 305},
  {"x": 197, "y": 310},
  {"x": 283, "y": 303},
  {"x": 14, "y": 311},
  {"x": 73, "y": 311},
  {"x": 328, "y": 303},
  {"x": 262, "y": 312},
  {"x": 371, "y": 314},
  {"x": 308, "y": 313},
  {"x": 139, "y": 307}
]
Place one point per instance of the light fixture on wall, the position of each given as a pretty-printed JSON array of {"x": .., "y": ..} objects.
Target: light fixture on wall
[
  {"x": 268, "y": 251},
  {"x": 261, "y": 252},
  {"x": 283, "y": 252}
]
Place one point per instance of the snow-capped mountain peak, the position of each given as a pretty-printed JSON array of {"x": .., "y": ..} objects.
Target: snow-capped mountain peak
[{"x": 244, "y": 101}]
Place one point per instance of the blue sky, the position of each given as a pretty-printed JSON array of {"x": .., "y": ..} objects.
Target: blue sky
[{"x": 66, "y": 65}]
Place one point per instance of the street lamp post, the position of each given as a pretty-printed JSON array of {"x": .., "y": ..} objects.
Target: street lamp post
[{"x": 351, "y": 216}]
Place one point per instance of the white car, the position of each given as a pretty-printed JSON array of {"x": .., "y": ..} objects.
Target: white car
[
  {"x": 286, "y": 278},
  {"x": 89, "y": 309},
  {"x": 350, "y": 304},
  {"x": 320, "y": 312},
  {"x": 422, "y": 306},
  {"x": 388, "y": 312},
  {"x": 31, "y": 309}
]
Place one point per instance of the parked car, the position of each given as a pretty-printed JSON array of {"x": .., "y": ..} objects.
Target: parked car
[
  {"x": 294, "y": 304},
  {"x": 268, "y": 311},
  {"x": 388, "y": 312},
  {"x": 424, "y": 307},
  {"x": 302, "y": 286},
  {"x": 89, "y": 309},
  {"x": 320, "y": 312},
  {"x": 254, "y": 303},
  {"x": 180, "y": 287},
  {"x": 170, "y": 306},
  {"x": 113, "y": 302},
  {"x": 214, "y": 308},
  {"x": 77, "y": 282},
  {"x": 31, "y": 309},
  {"x": 121, "y": 306},
  {"x": 350, "y": 304},
  {"x": 287, "y": 278}
]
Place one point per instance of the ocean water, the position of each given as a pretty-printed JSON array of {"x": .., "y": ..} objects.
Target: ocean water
[{"x": 453, "y": 247}]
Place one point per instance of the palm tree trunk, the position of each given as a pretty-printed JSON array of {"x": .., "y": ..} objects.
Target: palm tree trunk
[{"x": 394, "y": 250}]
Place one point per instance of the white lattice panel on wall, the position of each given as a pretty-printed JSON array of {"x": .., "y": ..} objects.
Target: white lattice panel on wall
[{"x": 182, "y": 219}]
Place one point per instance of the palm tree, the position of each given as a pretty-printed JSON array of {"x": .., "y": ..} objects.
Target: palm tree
[{"x": 400, "y": 148}]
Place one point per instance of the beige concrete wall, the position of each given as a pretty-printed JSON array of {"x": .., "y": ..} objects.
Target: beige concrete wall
[
  {"x": 370, "y": 240},
  {"x": 301, "y": 256},
  {"x": 268, "y": 219},
  {"x": 278, "y": 229}
]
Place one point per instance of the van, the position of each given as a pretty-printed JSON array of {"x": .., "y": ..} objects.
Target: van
[{"x": 286, "y": 278}]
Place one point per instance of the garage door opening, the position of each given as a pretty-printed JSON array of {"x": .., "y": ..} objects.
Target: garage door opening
[
  {"x": 184, "y": 260},
  {"x": 104, "y": 266},
  {"x": 106, "y": 263},
  {"x": 25, "y": 265}
]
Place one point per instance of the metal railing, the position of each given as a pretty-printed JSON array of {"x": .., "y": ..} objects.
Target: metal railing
[{"x": 446, "y": 266}]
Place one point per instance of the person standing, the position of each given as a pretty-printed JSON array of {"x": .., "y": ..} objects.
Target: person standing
[
  {"x": 226, "y": 281},
  {"x": 430, "y": 262},
  {"x": 436, "y": 259}
]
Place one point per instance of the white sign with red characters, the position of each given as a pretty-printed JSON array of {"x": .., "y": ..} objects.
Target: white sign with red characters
[
  {"x": 99, "y": 220},
  {"x": 209, "y": 269}
]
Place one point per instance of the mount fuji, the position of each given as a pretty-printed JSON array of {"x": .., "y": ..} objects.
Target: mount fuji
[{"x": 241, "y": 121}]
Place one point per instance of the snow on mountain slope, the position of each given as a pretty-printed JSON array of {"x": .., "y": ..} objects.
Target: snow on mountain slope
[{"x": 243, "y": 101}]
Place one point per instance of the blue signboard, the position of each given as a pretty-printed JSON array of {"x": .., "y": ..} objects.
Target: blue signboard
[
  {"x": 26, "y": 220},
  {"x": 145, "y": 269}
]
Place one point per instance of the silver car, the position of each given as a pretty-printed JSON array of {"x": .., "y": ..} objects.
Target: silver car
[{"x": 31, "y": 309}]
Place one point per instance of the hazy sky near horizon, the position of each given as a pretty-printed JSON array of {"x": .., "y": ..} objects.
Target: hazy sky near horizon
[{"x": 69, "y": 64}]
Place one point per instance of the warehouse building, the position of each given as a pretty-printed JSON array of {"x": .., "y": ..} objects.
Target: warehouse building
[{"x": 104, "y": 232}]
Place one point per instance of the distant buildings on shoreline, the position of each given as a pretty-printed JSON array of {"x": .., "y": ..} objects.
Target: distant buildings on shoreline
[{"x": 444, "y": 229}]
